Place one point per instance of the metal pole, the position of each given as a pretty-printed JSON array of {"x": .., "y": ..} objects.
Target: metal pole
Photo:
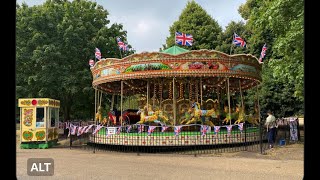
[
  {"x": 154, "y": 94},
  {"x": 121, "y": 102},
  {"x": 197, "y": 91},
  {"x": 112, "y": 102},
  {"x": 100, "y": 98},
  {"x": 201, "y": 91},
  {"x": 148, "y": 95},
  {"x": 95, "y": 105},
  {"x": 260, "y": 126},
  {"x": 241, "y": 94},
  {"x": 229, "y": 100},
  {"x": 174, "y": 102},
  {"x": 160, "y": 91}
]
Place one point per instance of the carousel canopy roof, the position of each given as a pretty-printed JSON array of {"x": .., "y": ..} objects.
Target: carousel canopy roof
[
  {"x": 174, "y": 50},
  {"x": 213, "y": 67}
]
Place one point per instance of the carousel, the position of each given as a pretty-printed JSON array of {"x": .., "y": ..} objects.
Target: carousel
[{"x": 179, "y": 94}]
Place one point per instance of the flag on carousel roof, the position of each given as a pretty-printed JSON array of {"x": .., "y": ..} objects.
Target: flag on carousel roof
[
  {"x": 122, "y": 45},
  {"x": 238, "y": 41},
  {"x": 263, "y": 53},
  {"x": 91, "y": 63},
  {"x": 184, "y": 39},
  {"x": 98, "y": 54}
]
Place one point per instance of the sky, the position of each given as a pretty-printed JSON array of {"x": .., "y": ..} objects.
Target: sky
[{"x": 147, "y": 22}]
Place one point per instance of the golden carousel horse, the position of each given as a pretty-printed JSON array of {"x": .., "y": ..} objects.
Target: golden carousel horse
[
  {"x": 148, "y": 115},
  {"x": 232, "y": 115},
  {"x": 187, "y": 116},
  {"x": 251, "y": 118},
  {"x": 198, "y": 114},
  {"x": 99, "y": 115}
]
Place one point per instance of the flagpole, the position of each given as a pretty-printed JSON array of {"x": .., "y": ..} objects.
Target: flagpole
[
  {"x": 231, "y": 47},
  {"x": 95, "y": 58},
  {"x": 119, "y": 48},
  {"x": 231, "y": 44}
]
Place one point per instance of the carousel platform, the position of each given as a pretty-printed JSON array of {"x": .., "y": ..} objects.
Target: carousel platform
[{"x": 187, "y": 138}]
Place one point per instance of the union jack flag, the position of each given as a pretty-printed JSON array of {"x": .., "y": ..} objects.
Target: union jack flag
[
  {"x": 151, "y": 129},
  {"x": 204, "y": 129},
  {"x": 184, "y": 39},
  {"x": 238, "y": 41},
  {"x": 87, "y": 130},
  {"x": 73, "y": 129},
  {"x": 128, "y": 129},
  {"x": 229, "y": 129},
  {"x": 98, "y": 54},
  {"x": 67, "y": 125},
  {"x": 83, "y": 129},
  {"x": 119, "y": 130},
  {"x": 164, "y": 128},
  {"x": 216, "y": 129},
  {"x": 263, "y": 53},
  {"x": 122, "y": 45},
  {"x": 240, "y": 126},
  {"x": 140, "y": 128},
  {"x": 79, "y": 131},
  {"x": 177, "y": 130},
  {"x": 98, "y": 127},
  {"x": 91, "y": 63}
]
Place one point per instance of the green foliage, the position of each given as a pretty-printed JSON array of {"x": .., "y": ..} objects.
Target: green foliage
[
  {"x": 196, "y": 21},
  {"x": 278, "y": 23},
  {"x": 54, "y": 42}
]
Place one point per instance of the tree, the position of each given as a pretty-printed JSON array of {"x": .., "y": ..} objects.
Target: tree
[
  {"x": 279, "y": 24},
  {"x": 54, "y": 42},
  {"x": 196, "y": 21}
]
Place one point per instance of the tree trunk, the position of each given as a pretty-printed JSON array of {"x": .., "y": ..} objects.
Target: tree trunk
[{"x": 67, "y": 107}]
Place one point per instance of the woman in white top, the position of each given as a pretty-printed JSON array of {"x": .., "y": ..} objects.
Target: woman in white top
[{"x": 271, "y": 128}]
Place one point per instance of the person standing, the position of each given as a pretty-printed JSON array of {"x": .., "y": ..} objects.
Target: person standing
[{"x": 271, "y": 128}]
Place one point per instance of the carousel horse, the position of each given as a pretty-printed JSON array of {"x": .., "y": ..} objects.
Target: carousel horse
[
  {"x": 187, "y": 115},
  {"x": 241, "y": 116},
  {"x": 99, "y": 115},
  {"x": 105, "y": 121},
  {"x": 148, "y": 115},
  {"x": 251, "y": 118},
  {"x": 232, "y": 115},
  {"x": 198, "y": 114}
]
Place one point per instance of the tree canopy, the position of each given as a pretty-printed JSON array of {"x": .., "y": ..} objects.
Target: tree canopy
[
  {"x": 54, "y": 42},
  {"x": 196, "y": 21},
  {"x": 279, "y": 24}
]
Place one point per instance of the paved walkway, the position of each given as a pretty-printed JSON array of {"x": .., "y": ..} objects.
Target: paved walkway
[{"x": 81, "y": 164}]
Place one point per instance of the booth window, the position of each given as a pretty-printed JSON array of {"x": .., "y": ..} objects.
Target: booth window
[
  {"x": 54, "y": 117},
  {"x": 40, "y": 117}
]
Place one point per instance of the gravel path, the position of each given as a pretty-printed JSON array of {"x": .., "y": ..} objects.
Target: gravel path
[{"x": 279, "y": 163}]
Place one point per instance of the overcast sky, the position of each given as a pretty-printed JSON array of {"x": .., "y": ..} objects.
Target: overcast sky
[{"x": 147, "y": 22}]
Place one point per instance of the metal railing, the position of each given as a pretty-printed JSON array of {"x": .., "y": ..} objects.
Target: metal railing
[{"x": 190, "y": 140}]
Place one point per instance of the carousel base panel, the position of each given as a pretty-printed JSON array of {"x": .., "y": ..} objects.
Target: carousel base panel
[
  {"x": 181, "y": 140},
  {"x": 38, "y": 145}
]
